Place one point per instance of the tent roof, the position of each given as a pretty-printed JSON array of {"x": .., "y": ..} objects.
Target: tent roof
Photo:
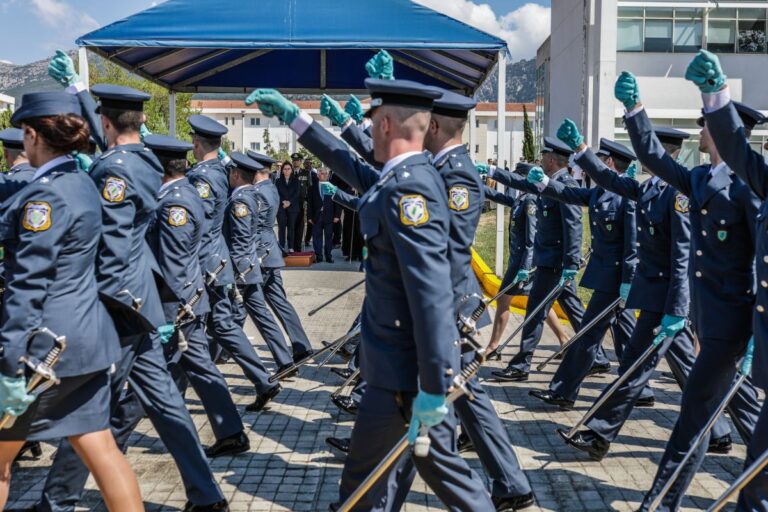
[{"x": 300, "y": 46}]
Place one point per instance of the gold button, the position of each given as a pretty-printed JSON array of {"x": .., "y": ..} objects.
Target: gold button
[
  {"x": 764, "y": 284},
  {"x": 703, "y": 212},
  {"x": 698, "y": 274},
  {"x": 765, "y": 259},
  {"x": 639, "y": 228},
  {"x": 760, "y": 309},
  {"x": 722, "y": 221},
  {"x": 698, "y": 253},
  {"x": 397, "y": 323},
  {"x": 449, "y": 372},
  {"x": 703, "y": 233},
  {"x": 661, "y": 274}
]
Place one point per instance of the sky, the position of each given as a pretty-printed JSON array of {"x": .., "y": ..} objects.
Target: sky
[{"x": 31, "y": 30}]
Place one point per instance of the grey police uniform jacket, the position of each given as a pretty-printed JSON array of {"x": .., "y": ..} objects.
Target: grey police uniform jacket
[
  {"x": 663, "y": 240},
  {"x": 15, "y": 179},
  {"x": 267, "y": 203},
  {"x": 51, "y": 230},
  {"x": 558, "y": 225},
  {"x": 727, "y": 130},
  {"x": 175, "y": 237},
  {"x": 723, "y": 212},
  {"x": 240, "y": 226},
  {"x": 613, "y": 232},
  {"x": 409, "y": 333},
  {"x": 128, "y": 178},
  {"x": 212, "y": 183}
]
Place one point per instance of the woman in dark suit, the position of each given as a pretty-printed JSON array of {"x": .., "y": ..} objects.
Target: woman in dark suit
[{"x": 288, "y": 212}]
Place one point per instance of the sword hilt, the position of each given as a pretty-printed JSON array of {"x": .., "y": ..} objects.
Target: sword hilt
[{"x": 211, "y": 276}]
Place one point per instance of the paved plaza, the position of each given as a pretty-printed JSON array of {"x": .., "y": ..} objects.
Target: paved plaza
[{"x": 290, "y": 468}]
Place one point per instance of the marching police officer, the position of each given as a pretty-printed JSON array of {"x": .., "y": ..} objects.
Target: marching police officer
[
  {"x": 410, "y": 340},
  {"x": 609, "y": 273},
  {"x": 730, "y": 134}
]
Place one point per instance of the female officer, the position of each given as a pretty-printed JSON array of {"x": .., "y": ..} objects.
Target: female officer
[{"x": 51, "y": 231}]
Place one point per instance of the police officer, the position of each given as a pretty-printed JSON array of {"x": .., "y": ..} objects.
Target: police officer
[
  {"x": 405, "y": 222},
  {"x": 51, "y": 231},
  {"x": 128, "y": 177},
  {"x": 730, "y": 129},
  {"x": 609, "y": 272},
  {"x": 20, "y": 172},
  {"x": 323, "y": 214},
  {"x": 659, "y": 288},
  {"x": 557, "y": 254}
]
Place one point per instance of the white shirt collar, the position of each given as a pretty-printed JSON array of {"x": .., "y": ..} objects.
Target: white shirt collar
[
  {"x": 167, "y": 184},
  {"x": 47, "y": 166},
  {"x": 394, "y": 161},
  {"x": 721, "y": 167},
  {"x": 444, "y": 152}
]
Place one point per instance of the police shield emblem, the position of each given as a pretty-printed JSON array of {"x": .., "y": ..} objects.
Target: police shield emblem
[
  {"x": 37, "y": 216},
  {"x": 114, "y": 190},
  {"x": 531, "y": 209},
  {"x": 459, "y": 198},
  {"x": 722, "y": 235},
  {"x": 177, "y": 216},
  {"x": 681, "y": 203},
  {"x": 609, "y": 227},
  {"x": 413, "y": 210},
  {"x": 203, "y": 189},
  {"x": 240, "y": 210}
]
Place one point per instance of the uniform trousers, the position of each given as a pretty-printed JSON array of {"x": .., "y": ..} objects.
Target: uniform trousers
[
  {"x": 384, "y": 415},
  {"x": 143, "y": 366},
  {"x": 256, "y": 306},
  {"x": 711, "y": 377},
  {"x": 274, "y": 292}
]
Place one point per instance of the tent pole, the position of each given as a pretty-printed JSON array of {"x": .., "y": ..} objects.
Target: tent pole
[
  {"x": 500, "y": 130},
  {"x": 172, "y": 113},
  {"x": 82, "y": 57}
]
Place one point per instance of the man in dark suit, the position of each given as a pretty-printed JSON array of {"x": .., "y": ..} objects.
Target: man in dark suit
[{"x": 323, "y": 214}]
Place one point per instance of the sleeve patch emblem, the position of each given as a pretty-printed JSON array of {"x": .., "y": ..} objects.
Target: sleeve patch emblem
[
  {"x": 531, "y": 210},
  {"x": 458, "y": 198},
  {"x": 203, "y": 189},
  {"x": 114, "y": 190},
  {"x": 413, "y": 210},
  {"x": 177, "y": 216},
  {"x": 241, "y": 210},
  {"x": 37, "y": 216},
  {"x": 681, "y": 203}
]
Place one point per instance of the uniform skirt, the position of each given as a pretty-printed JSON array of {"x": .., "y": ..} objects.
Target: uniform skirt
[{"x": 78, "y": 405}]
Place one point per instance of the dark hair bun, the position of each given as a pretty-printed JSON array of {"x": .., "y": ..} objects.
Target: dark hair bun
[{"x": 63, "y": 133}]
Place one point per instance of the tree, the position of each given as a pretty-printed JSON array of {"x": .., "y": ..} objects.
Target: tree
[
  {"x": 5, "y": 122},
  {"x": 267, "y": 140},
  {"x": 529, "y": 148}
]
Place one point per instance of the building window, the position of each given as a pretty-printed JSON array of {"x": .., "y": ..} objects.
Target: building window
[
  {"x": 477, "y": 122},
  {"x": 721, "y": 36},
  {"x": 688, "y": 30},
  {"x": 495, "y": 149},
  {"x": 751, "y": 35},
  {"x": 658, "y": 30},
  {"x": 630, "y": 35},
  {"x": 477, "y": 148}
]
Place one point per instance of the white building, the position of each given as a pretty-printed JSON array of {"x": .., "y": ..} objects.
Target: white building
[
  {"x": 247, "y": 126},
  {"x": 7, "y": 102},
  {"x": 592, "y": 41}
]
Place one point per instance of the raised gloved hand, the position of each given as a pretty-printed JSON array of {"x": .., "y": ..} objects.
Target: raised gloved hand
[
  {"x": 569, "y": 134},
  {"x": 705, "y": 71},
  {"x": 331, "y": 109},
  {"x": 223, "y": 157},
  {"x": 429, "y": 410},
  {"x": 381, "y": 66},
  {"x": 626, "y": 90},
  {"x": 670, "y": 326},
  {"x": 536, "y": 175},
  {"x": 624, "y": 291},
  {"x": 62, "y": 69},
  {"x": 568, "y": 275},
  {"x": 166, "y": 332},
  {"x": 83, "y": 161},
  {"x": 14, "y": 399},
  {"x": 522, "y": 276},
  {"x": 327, "y": 188},
  {"x": 354, "y": 108},
  {"x": 273, "y": 104},
  {"x": 482, "y": 168},
  {"x": 632, "y": 171},
  {"x": 144, "y": 132}
]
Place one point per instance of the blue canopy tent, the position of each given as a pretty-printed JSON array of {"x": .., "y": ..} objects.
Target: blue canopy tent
[{"x": 297, "y": 46}]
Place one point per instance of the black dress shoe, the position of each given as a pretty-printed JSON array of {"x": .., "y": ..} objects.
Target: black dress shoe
[
  {"x": 648, "y": 401},
  {"x": 329, "y": 259},
  {"x": 721, "y": 445},
  {"x": 512, "y": 503},
  {"x": 294, "y": 373},
  {"x": 219, "y": 506},
  {"x": 599, "y": 369},
  {"x": 263, "y": 399},
  {"x": 588, "y": 442},
  {"x": 345, "y": 403},
  {"x": 510, "y": 375},
  {"x": 339, "y": 443},
  {"x": 318, "y": 259},
  {"x": 552, "y": 398},
  {"x": 464, "y": 443},
  {"x": 33, "y": 447},
  {"x": 344, "y": 373},
  {"x": 231, "y": 445},
  {"x": 302, "y": 355}
]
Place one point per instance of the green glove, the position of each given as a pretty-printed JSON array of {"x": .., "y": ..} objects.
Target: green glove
[
  {"x": 327, "y": 188},
  {"x": 144, "y": 131},
  {"x": 522, "y": 276},
  {"x": 670, "y": 326},
  {"x": 481, "y": 168},
  {"x": 83, "y": 161},
  {"x": 535, "y": 175},
  {"x": 354, "y": 108},
  {"x": 568, "y": 275},
  {"x": 569, "y": 134},
  {"x": 166, "y": 332},
  {"x": 626, "y": 90},
  {"x": 624, "y": 291},
  {"x": 632, "y": 171},
  {"x": 705, "y": 71},
  {"x": 331, "y": 109},
  {"x": 273, "y": 104},
  {"x": 429, "y": 410},
  {"x": 381, "y": 66},
  {"x": 14, "y": 399},
  {"x": 62, "y": 69}
]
